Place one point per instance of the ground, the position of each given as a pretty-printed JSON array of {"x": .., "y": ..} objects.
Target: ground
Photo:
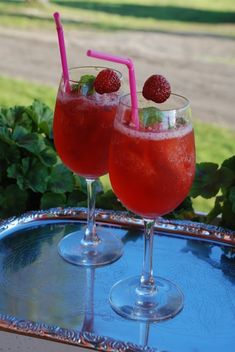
[{"x": 201, "y": 67}]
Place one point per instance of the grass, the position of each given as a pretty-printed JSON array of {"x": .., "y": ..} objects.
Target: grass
[
  {"x": 216, "y": 17},
  {"x": 19, "y": 92}
]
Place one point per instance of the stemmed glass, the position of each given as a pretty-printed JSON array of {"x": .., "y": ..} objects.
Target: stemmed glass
[
  {"x": 151, "y": 171},
  {"x": 83, "y": 122}
]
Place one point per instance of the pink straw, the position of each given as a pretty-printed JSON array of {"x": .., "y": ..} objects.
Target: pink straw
[
  {"x": 63, "y": 56},
  {"x": 132, "y": 81}
]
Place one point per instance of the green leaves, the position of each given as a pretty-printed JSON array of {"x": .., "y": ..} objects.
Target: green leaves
[
  {"x": 30, "y": 168},
  {"x": 29, "y": 174},
  {"x": 50, "y": 200},
  {"x": 85, "y": 85},
  {"x": 13, "y": 201},
  {"x": 150, "y": 116},
  {"x": 42, "y": 116},
  {"x": 230, "y": 163},
  {"x": 210, "y": 181},
  {"x": 32, "y": 142},
  {"x": 61, "y": 180},
  {"x": 231, "y": 198}
]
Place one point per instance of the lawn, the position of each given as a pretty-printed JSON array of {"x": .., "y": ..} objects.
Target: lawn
[
  {"x": 213, "y": 143},
  {"x": 11, "y": 92},
  {"x": 216, "y": 17}
]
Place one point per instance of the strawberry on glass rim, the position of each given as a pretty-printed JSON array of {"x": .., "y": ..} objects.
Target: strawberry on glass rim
[
  {"x": 156, "y": 88},
  {"x": 107, "y": 81}
]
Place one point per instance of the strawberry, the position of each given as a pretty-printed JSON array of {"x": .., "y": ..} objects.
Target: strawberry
[
  {"x": 107, "y": 81},
  {"x": 156, "y": 88}
]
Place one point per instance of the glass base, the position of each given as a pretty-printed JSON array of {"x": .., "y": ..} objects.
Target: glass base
[
  {"x": 162, "y": 304},
  {"x": 106, "y": 251}
]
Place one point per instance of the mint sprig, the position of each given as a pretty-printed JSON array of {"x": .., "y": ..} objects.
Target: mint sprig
[
  {"x": 150, "y": 116},
  {"x": 85, "y": 85}
]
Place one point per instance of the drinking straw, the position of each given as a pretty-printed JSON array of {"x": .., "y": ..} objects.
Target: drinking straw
[
  {"x": 63, "y": 56},
  {"x": 132, "y": 81}
]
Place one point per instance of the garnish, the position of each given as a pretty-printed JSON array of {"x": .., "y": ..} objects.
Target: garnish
[
  {"x": 150, "y": 117},
  {"x": 85, "y": 85},
  {"x": 107, "y": 81},
  {"x": 156, "y": 88}
]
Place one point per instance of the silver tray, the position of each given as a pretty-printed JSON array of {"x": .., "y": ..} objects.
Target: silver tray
[{"x": 43, "y": 296}]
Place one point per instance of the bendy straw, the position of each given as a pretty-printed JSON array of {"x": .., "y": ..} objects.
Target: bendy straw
[
  {"x": 63, "y": 56},
  {"x": 132, "y": 81}
]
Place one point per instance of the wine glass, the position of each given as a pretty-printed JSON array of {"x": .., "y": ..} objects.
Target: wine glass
[
  {"x": 151, "y": 170},
  {"x": 83, "y": 122}
]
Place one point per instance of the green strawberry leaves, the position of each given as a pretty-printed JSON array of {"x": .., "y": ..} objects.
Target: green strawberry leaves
[
  {"x": 150, "y": 116},
  {"x": 85, "y": 85}
]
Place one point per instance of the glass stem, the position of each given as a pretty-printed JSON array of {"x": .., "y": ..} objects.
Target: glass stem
[
  {"x": 90, "y": 237},
  {"x": 147, "y": 284}
]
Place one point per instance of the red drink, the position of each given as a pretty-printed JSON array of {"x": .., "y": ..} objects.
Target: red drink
[
  {"x": 151, "y": 172},
  {"x": 83, "y": 123},
  {"x": 82, "y": 131}
]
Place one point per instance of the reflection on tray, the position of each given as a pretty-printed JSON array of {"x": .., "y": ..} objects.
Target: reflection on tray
[
  {"x": 205, "y": 253},
  {"x": 42, "y": 295}
]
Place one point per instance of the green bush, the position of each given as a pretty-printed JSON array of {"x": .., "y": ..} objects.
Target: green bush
[
  {"x": 212, "y": 180},
  {"x": 32, "y": 176}
]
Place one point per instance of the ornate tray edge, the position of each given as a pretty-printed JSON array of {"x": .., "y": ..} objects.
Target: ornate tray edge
[
  {"x": 68, "y": 336},
  {"x": 177, "y": 227}
]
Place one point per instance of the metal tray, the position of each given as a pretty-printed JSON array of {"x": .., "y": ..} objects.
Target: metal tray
[{"x": 43, "y": 296}]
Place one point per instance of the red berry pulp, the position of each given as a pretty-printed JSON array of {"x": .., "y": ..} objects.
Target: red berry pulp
[
  {"x": 82, "y": 131},
  {"x": 150, "y": 172}
]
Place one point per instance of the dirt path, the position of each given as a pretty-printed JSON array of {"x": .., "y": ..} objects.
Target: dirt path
[{"x": 201, "y": 67}]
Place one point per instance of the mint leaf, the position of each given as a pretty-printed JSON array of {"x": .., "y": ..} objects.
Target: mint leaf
[
  {"x": 85, "y": 85},
  {"x": 150, "y": 116}
]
